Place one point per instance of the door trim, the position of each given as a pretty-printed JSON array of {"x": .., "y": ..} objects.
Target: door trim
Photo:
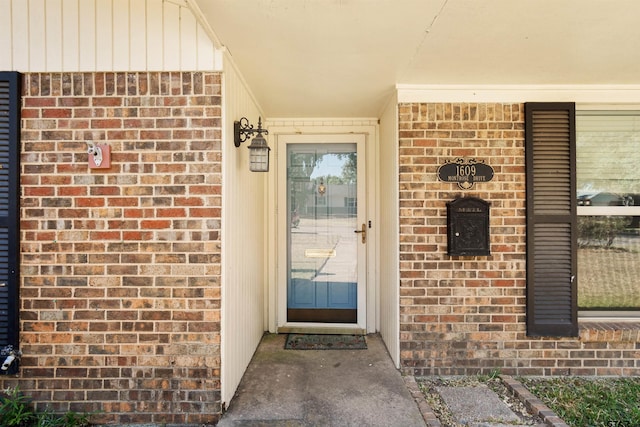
[{"x": 280, "y": 287}]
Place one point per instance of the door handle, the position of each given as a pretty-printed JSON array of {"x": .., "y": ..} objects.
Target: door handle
[{"x": 363, "y": 232}]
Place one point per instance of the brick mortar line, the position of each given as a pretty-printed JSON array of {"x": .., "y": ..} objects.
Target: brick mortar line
[{"x": 532, "y": 403}]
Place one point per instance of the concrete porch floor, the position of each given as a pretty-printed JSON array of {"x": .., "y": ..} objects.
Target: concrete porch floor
[{"x": 322, "y": 388}]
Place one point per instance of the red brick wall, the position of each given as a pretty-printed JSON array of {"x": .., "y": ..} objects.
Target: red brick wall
[
  {"x": 465, "y": 315},
  {"x": 120, "y": 297}
]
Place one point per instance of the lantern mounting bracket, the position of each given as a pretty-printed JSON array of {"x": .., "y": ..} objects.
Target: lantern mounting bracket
[{"x": 242, "y": 130}]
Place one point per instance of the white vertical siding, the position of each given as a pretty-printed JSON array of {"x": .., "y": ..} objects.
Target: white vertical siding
[
  {"x": 188, "y": 42},
  {"x": 70, "y": 34},
  {"x": 389, "y": 229},
  {"x": 53, "y": 32},
  {"x": 244, "y": 229},
  {"x": 171, "y": 34},
  {"x": 37, "y": 36},
  {"x": 121, "y": 35},
  {"x": 138, "y": 39},
  {"x": 103, "y": 35},
  {"x": 19, "y": 28},
  {"x": 5, "y": 36},
  {"x": 206, "y": 55},
  {"x": 87, "y": 37},
  {"x": 155, "y": 31}
]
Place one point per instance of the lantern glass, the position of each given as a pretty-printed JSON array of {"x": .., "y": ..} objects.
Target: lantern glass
[{"x": 259, "y": 155}]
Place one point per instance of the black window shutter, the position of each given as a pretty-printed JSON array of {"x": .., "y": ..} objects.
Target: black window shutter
[
  {"x": 550, "y": 140},
  {"x": 10, "y": 105}
]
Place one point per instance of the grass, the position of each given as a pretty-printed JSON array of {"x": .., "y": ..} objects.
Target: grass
[{"x": 596, "y": 402}]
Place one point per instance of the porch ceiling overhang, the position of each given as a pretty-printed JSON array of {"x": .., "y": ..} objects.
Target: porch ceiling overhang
[{"x": 343, "y": 58}]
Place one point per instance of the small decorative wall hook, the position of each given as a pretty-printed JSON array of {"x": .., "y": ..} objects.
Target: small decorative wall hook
[
  {"x": 99, "y": 155},
  {"x": 96, "y": 152}
]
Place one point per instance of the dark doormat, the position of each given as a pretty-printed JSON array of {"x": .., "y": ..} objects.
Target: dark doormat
[{"x": 325, "y": 342}]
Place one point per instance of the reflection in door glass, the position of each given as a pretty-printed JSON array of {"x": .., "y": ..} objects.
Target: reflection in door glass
[{"x": 322, "y": 246}]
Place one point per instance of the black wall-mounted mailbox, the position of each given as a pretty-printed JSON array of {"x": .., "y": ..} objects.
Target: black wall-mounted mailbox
[{"x": 468, "y": 227}]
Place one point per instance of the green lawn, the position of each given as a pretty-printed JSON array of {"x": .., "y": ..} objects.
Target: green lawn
[{"x": 601, "y": 402}]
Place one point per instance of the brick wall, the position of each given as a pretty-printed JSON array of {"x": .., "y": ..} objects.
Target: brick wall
[
  {"x": 120, "y": 297},
  {"x": 465, "y": 315}
]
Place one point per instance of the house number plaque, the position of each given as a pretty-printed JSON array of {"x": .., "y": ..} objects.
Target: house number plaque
[{"x": 465, "y": 173}]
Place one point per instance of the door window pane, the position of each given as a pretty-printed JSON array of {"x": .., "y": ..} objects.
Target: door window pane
[{"x": 322, "y": 246}]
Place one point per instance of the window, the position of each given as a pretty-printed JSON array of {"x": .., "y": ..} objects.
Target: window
[{"x": 608, "y": 198}]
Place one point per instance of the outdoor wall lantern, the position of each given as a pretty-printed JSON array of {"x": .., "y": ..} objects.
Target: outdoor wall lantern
[{"x": 258, "y": 149}]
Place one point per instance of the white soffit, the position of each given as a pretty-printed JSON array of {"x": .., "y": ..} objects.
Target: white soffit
[{"x": 344, "y": 58}]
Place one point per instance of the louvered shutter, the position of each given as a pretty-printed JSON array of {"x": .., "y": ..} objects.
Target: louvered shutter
[
  {"x": 551, "y": 219},
  {"x": 10, "y": 84}
]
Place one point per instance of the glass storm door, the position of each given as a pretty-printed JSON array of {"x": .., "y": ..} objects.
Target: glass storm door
[{"x": 324, "y": 233}]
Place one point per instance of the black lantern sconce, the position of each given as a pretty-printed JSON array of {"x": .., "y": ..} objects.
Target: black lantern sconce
[{"x": 258, "y": 149}]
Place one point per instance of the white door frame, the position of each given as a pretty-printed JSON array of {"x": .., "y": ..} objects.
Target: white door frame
[{"x": 368, "y": 308}]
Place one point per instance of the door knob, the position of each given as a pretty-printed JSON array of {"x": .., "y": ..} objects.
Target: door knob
[{"x": 363, "y": 232}]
